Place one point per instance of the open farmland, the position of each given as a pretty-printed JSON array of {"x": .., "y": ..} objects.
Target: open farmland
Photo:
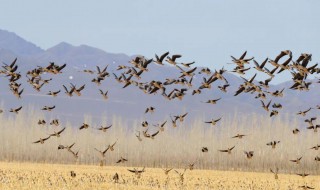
[{"x": 54, "y": 176}]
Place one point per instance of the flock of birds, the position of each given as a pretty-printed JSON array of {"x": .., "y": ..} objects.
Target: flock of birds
[{"x": 131, "y": 76}]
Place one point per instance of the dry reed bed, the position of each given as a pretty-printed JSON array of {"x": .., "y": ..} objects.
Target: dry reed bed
[{"x": 175, "y": 147}]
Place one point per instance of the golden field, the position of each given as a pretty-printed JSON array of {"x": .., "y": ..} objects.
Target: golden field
[{"x": 55, "y": 176}]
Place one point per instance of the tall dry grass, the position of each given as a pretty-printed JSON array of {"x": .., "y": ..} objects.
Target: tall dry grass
[{"x": 175, "y": 147}]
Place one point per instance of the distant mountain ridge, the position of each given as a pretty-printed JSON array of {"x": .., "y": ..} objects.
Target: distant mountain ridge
[{"x": 16, "y": 44}]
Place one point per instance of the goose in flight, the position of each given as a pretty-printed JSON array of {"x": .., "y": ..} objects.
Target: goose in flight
[
  {"x": 275, "y": 173},
  {"x": 16, "y": 111},
  {"x": 104, "y": 129},
  {"x": 41, "y": 141},
  {"x": 104, "y": 94},
  {"x": 213, "y": 122},
  {"x": 102, "y": 153},
  {"x": 297, "y": 161},
  {"x": 121, "y": 160},
  {"x": 57, "y": 134},
  {"x": 166, "y": 171},
  {"x": 249, "y": 154},
  {"x": 273, "y": 144},
  {"x": 160, "y": 60},
  {"x": 84, "y": 126},
  {"x": 172, "y": 60},
  {"x": 228, "y": 150}
]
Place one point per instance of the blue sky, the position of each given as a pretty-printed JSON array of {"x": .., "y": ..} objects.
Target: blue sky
[{"x": 206, "y": 31}]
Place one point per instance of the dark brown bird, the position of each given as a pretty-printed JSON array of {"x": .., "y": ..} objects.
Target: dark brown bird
[
  {"x": 75, "y": 154},
  {"x": 57, "y": 134},
  {"x": 204, "y": 149},
  {"x": 87, "y": 71},
  {"x": 145, "y": 124},
  {"x": 303, "y": 175},
  {"x": 297, "y": 161},
  {"x": 213, "y": 101},
  {"x": 174, "y": 122},
  {"x": 104, "y": 94},
  {"x": 116, "y": 178},
  {"x": 150, "y": 109},
  {"x": 102, "y": 153},
  {"x": 16, "y": 111},
  {"x": 41, "y": 122},
  {"x": 111, "y": 147},
  {"x": 84, "y": 126},
  {"x": 121, "y": 160},
  {"x": 48, "y": 108},
  {"x": 239, "y": 136},
  {"x": 260, "y": 67},
  {"x": 160, "y": 60},
  {"x": 265, "y": 107},
  {"x": 303, "y": 113},
  {"x": 181, "y": 175},
  {"x": 310, "y": 121},
  {"x": 166, "y": 171},
  {"x": 241, "y": 61},
  {"x": 273, "y": 144},
  {"x": 68, "y": 92},
  {"x": 138, "y": 136},
  {"x": 265, "y": 83},
  {"x": 228, "y": 150},
  {"x": 213, "y": 122},
  {"x": 17, "y": 93},
  {"x": 191, "y": 166},
  {"x": 240, "y": 70},
  {"x": 41, "y": 141},
  {"x": 274, "y": 113},
  {"x": 295, "y": 131},
  {"x": 53, "y": 94},
  {"x": 315, "y": 128},
  {"x": 104, "y": 129},
  {"x": 181, "y": 117},
  {"x": 73, "y": 174},
  {"x": 249, "y": 154},
  {"x": 154, "y": 134},
  {"x": 223, "y": 88},
  {"x": 161, "y": 127},
  {"x": 76, "y": 90},
  {"x": 188, "y": 73},
  {"x": 60, "y": 147},
  {"x": 270, "y": 73},
  {"x": 55, "y": 122},
  {"x": 136, "y": 171},
  {"x": 305, "y": 187},
  {"x": 172, "y": 60},
  {"x": 277, "y": 106},
  {"x": 187, "y": 64},
  {"x": 316, "y": 147},
  {"x": 275, "y": 173}
]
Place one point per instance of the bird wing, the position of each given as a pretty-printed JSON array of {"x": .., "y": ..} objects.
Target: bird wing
[
  {"x": 153, "y": 135},
  {"x": 105, "y": 150},
  {"x": 163, "y": 56},
  {"x": 61, "y": 131},
  {"x": 18, "y": 109}
]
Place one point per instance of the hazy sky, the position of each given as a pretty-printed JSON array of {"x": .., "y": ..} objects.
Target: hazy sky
[{"x": 206, "y": 31}]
